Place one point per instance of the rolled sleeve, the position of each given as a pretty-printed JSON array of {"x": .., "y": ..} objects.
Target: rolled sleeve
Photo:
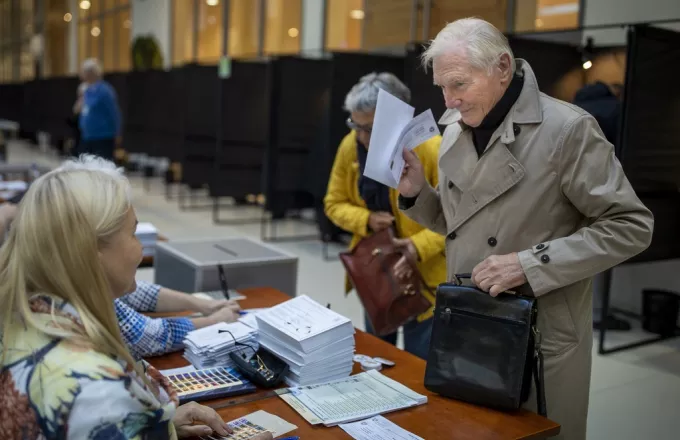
[{"x": 144, "y": 298}]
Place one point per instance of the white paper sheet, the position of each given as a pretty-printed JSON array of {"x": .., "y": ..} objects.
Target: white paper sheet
[
  {"x": 355, "y": 398},
  {"x": 395, "y": 129},
  {"x": 377, "y": 428},
  {"x": 391, "y": 116},
  {"x": 301, "y": 318}
]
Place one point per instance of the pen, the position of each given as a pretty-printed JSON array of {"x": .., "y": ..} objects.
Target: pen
[
  {"x": 241, "y": 312},
  {"x": 223, "y": 281},
  {"x": 290, "y": 438}
]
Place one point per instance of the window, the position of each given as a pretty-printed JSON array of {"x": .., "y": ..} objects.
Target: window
[
  {"x": 182, "y": 32},
  {"x": 283, "y": 27},
  {"x": 542, "y": 15},
  {"x": 57, "y": 22},
  {"x": 210, "y": 30},
  {"x": 244, "y": 25},
  {"x": 104, "y": 33},
  {"x": 344, "y": 21}
]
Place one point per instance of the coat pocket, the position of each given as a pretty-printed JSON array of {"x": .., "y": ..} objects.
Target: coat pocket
[{"x": 556, "y": 324}]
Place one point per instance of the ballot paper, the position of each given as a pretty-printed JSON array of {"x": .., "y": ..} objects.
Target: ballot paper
[
  {"x": 253, "y": 424},
  {"x": 394, "y": 130},
  {"x": 354, "y": 398},
  {"x": 210, "y": 346},
  {"x": 377, "y": 428},
  {"x": 316, "y": 342}
]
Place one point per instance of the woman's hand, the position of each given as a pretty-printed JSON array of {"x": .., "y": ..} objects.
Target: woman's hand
[
  {"x": 194, "y": 420},
  {"x": 225, "y": 314},
  {"x": 379, "y": 221},
  {"x": 209, "y": 306},
  {"x": 413, "y": 177}
]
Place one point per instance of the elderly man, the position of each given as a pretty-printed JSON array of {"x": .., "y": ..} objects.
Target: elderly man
[
  {"x": 531, "y": 198},
  {"x": 100, "y": 118}
]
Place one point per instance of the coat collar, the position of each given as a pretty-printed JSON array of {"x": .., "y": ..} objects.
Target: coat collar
[{"x": 527, "y": 108}]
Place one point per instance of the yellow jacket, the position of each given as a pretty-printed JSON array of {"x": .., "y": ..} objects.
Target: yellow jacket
[{"x": 345, "y": 207}]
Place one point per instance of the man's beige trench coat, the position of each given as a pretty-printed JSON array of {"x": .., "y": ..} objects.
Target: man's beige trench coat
[{"x": 549, "y": 187}]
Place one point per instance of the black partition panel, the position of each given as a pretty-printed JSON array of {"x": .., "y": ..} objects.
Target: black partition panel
[
  {"x": 200, "y": 124},
  {"x": 11, "y": 101},
  {"x": 245, "y": 127},
  {"x": 649, "y": 146},
  {"x": 424, "y": 94},
  {"x": 550, "y": 61},
  {"x": 60, "y": 95},
  {"x": 299, "y": 103}
]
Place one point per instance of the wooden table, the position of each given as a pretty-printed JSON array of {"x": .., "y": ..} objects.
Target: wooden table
[{"x": 440, "y": 418}]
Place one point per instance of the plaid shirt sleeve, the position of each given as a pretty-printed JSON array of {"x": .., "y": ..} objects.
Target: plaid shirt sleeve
[
  {"x": 144, "y": 298},
  {"x": 146, "y": 336}
]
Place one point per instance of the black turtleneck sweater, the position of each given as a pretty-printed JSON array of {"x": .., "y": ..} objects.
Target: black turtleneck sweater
[{"x": 482, "y": 134}]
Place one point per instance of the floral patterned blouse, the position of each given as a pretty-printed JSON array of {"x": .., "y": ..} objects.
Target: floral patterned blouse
[{"x": 57, "y": 389}]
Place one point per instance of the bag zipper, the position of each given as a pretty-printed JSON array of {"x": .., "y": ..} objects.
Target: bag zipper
[{"x": 447, "y": 311}]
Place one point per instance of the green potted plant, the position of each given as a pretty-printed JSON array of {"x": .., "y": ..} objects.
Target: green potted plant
[{"x": 146, "y": 54}]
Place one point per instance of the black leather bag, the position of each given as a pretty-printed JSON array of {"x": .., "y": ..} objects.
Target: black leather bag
[{"x": 484, "y": 350}]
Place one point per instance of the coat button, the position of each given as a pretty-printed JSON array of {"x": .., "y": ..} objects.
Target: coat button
[
  {"x": 450, "y": 185},
  {"x": 540, "y": 246},
  {"x": 492, "y": 241},
  {"x": 516, "y": 129},
  {"x": 545, "y": 259},
  {"x": 451, "y": 235}
]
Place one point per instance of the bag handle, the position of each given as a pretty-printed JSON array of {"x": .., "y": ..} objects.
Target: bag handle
[{"x": 538, "y": 374}]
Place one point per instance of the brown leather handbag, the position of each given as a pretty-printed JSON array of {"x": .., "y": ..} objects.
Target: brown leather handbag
[{"x": 390, "y": 302}]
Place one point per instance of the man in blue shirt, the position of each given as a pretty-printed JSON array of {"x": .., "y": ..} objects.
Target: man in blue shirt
[{"x": 100, "y": 119}]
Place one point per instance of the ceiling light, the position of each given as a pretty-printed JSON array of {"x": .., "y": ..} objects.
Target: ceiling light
[
  {"x": 212, "y": 2},
  {"x": 127, "y": 24},
  {"x": 357, "y": 14},
  {"x": 539, "y": 23},
  {"x": 68, "y": 17},
  {"x": 95, "y": 31},
  {"x": 587, "y": 65},
  {"x": 85, "y": 4},
  {"x": 293, "y": 32}
]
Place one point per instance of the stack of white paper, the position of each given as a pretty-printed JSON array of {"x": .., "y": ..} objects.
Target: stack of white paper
[
  {"x": 210, "y": 346},
  {"x": 147, "y": 234},
  {"x": 317, "y": 343}
]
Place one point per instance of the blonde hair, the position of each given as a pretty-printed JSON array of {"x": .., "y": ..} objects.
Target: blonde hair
[
  {"x": 66, "y": 216},
  {"x": 483, "y": 42}
]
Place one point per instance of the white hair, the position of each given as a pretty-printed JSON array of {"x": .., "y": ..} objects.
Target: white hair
[
  {"x": 91, "y": 65},
  {"x": 364, "y": 95},
  {"x": 483, "y": 42},
  {"x": 96, "y": 165}
]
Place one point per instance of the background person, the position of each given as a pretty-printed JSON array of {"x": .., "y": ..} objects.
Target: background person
[{"x": 362, "y": 206}]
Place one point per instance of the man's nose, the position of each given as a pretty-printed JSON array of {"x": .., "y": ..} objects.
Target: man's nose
[{"x": 452, "y": 102}]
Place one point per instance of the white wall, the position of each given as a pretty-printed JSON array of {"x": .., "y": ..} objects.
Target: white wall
[
  {"x": 599, "y": 12},
  {"x": 154, "y": 17}
]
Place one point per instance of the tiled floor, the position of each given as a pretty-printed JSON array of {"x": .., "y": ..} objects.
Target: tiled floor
[{"x": 635, "y": 395}]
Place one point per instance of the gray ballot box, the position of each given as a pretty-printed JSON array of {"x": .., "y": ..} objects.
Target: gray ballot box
[{"x": 192, "y": 266}]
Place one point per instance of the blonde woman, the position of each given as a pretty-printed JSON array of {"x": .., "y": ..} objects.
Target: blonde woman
[{"x": 65, "y": 372}]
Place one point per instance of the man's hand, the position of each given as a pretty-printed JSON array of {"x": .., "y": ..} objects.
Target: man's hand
[
  {"x": 413, "y": 177},
  {"x": 499, "y": 273},
  {"x": 378, "y": 221},
  {"x": 207, "y": 307},
  {"x": 194, "y": 420}
]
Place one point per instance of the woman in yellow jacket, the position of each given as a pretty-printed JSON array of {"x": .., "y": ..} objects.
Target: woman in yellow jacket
[{"x": 361, "y": 205}]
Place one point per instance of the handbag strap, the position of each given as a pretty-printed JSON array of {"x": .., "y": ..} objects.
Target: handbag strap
[{"x": 538, "y": 374}]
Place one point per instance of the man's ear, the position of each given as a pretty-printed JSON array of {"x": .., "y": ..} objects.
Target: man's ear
[{"x": 505, "y": 67}]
